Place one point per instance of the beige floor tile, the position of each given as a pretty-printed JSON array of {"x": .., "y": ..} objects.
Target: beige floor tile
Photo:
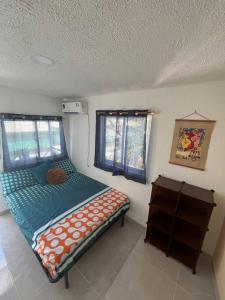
[
  {"x": 79, "y": 289},
  {"x": 202, "y": 281},
  {"x": 10, "y": 294},
  {"x": 140, "y": 277},
  {"x": 182, "y": 294},
  {"x": 119, "y": 292},
  {"x": 101, "y": 264},
  {"x": 19, "y": 260},
  {"x": 202, "y": 296},
  {"x": 124, "y": 238},
  {"x": 10, "y": 235},
  {"x": 157, "y": 258},
  {"x": 31, "y": 278},
  {"x": 3, "y": 261},
  {"x": 7, "y": 289}
]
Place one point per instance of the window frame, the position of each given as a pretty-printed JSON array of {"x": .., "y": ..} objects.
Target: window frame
[
  {"x": 136, "y": 174},
  {"x": 9, "y": 164}
]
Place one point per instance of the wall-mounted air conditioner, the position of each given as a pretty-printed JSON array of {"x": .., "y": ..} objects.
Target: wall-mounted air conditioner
[{"x": 76, "y": 107}]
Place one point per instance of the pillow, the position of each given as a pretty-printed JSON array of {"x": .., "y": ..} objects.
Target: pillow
[
  {"x": 40, "y": 172},
  {"x": 16, "y": 180},
  {"x": 56, "y": 176},
  {"x": 66, "y": 165}
]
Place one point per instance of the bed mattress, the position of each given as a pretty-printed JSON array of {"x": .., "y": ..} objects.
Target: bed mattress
[{"x": 60, "y": 222}]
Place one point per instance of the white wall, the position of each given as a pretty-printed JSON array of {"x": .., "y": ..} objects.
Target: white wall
[
  {"x": 219, "y": 263},
  {"x": 171, "y": 103},
  {"x": 16, "y": 101}
]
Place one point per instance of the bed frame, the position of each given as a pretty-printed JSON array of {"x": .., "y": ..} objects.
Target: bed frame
[{"x": 65, "y": 274}]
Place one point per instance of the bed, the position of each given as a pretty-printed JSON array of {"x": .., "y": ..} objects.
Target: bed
[{"x": 60, "y": 222}]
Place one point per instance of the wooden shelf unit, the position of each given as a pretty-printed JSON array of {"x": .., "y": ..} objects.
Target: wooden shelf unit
[{"x": 178, "y": 219}]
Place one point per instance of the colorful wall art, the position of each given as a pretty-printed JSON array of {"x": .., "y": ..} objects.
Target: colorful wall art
[{"x": 191, "y": 142}]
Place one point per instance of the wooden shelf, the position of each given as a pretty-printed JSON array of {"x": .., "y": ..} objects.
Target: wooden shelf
[
  {"x": 158, "y": 239},
  {"x": 194, "y": 211},
  {"x": 196, "y": 218},
  {"x": 179, "y": 215},
  {"x": 164, "y": 204},
  {"x": 161, "y": 221},
  {"x": 168, "y": 183},
  {"x": 184, "y": 254},
  {"x": 196, "y": 192},
  {"x": 188, "y": 235}
]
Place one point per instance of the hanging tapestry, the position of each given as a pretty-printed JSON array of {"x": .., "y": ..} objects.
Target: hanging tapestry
[{"x": 191, "y": 143}]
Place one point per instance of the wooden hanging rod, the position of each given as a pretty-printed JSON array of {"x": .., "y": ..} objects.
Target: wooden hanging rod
[
  {"x": 113, "y": 112},
  {"x": 194, "y": 120}
]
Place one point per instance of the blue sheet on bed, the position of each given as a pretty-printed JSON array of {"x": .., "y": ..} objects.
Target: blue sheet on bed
[{"x": 34, "y": 206}]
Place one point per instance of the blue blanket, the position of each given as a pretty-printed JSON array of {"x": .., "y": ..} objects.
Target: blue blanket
[{"x": 34, "y": 206}]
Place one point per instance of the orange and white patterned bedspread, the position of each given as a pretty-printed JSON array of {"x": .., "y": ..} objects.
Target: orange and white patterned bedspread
[{"x": 60, "y": 243}]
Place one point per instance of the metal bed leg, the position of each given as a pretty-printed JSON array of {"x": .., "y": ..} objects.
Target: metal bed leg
[
  {"x": 122, "y": 220},
  {"x": 66, "y": 277}
]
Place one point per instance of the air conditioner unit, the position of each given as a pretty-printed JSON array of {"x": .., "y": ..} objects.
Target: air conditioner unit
[{"x": 78, "y": 107}]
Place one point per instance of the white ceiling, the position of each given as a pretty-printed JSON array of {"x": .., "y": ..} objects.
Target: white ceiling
[{"x": 100, "y": 46}]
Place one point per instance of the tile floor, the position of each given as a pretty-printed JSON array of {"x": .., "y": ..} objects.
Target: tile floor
[{"x": 118, "y": 267}]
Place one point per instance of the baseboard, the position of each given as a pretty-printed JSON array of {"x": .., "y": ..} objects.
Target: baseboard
[
  {"x": 216, "y": 289},
  {"x": 133, "y": 220}
]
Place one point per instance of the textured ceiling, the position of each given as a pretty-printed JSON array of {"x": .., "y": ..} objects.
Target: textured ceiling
[{"x": 100, "y": 46}]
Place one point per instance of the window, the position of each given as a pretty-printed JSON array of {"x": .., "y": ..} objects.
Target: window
[
  {"x": 28, "y": 140},
  {"x": 49, "y": 138},
  {"x": 122, "y": 142},
  {"x": 110, "y": 138}
]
